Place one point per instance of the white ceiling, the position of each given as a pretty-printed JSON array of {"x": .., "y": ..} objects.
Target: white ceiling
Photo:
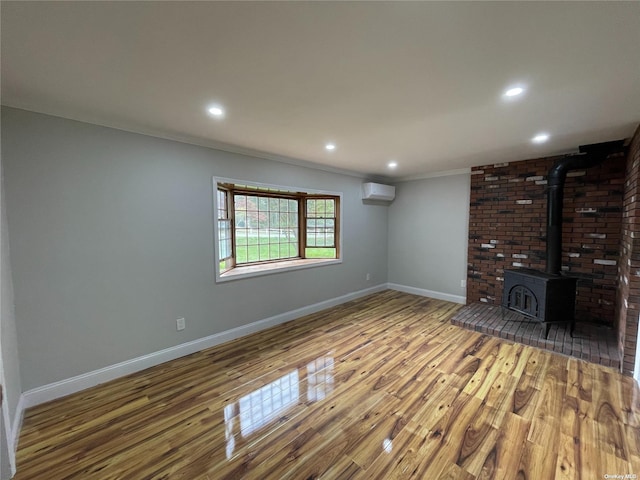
[{"x": 419, "y": 83}]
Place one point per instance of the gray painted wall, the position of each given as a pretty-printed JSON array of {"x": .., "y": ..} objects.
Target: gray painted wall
[
  {"x": 112, "y": 240},
  {"x": 9, "y": 368},
  {"x": 428, "y": 230},
  {"x": 8, "y": 334}
]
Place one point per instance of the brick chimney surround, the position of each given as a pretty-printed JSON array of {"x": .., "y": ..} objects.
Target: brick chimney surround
[{"x": 601, "y": 236}]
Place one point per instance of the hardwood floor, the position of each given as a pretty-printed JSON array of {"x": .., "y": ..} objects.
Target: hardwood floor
[{"x": 382, "y": 387}]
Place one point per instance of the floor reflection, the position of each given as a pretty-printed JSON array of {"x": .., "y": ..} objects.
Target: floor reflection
[
  {"x": 319, "y": 378},
  {"x": 257, "y": 409}
]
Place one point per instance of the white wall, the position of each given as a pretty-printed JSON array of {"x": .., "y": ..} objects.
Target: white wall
[
  {"x": 428, "y": 236},
  {"x": 112, "y": 239}
]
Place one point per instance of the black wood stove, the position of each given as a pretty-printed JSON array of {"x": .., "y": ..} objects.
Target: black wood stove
[{"x": 541, "y": 296}]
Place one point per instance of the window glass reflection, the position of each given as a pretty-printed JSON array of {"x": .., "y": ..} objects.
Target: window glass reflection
[
  {"x": 319, "y": 378},
  {"x": 265, "y": 404},
  {"x": 260, "y": 407}
]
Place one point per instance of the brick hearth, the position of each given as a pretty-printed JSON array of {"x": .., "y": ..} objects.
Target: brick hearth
[{"x": 594, "y": 343}]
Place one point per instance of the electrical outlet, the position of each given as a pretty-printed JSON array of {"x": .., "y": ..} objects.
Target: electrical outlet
[
  {"x": 180, "y": 324},
  {"x": 368, "y": 277},
  {"x": 463, "y": 283}
]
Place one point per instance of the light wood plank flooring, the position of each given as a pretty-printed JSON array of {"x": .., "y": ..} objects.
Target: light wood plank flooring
[{"x": 383, "y": 387}]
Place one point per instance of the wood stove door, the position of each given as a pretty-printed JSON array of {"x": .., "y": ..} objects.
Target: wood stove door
[{"x": 523, "y": 300}]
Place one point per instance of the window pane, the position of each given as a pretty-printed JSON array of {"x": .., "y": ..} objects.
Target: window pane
[
  {"x": 267, "y": 225},
  {"x": 320, "y": 223},
  {"x": 224, "y": 239},
  {"x": 311, "y": 207},
  {"x": 320, "y": 252},
  {"x": 241, "y": 254},
  {"x": 331, "y": 208},
  {"x": 222, "y": 204},
  {"x": 321, "y": 208},
  {"x": 320, "y": 229}
]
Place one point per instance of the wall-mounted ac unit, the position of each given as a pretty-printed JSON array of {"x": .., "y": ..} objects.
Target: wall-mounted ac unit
[{"x": 377, "y": 191}]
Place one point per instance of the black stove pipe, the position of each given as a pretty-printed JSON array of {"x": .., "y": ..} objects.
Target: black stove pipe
[{"x": 555, "y": 189}]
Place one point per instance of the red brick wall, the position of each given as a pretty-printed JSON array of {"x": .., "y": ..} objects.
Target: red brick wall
[
  {"x": 628, "y": 300},
  {"x": 507, "y": 228}
]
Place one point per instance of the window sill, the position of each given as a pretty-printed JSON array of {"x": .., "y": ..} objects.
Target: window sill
[{"x": 277, "y": 267}]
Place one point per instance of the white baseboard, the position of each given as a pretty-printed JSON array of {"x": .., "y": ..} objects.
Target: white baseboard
[
  {"x": 16, "y": 426},
  {"x": 7, "y": 431},
  {"x": 75, "y": 384},
  {"x": 10, "y": 427},
  {"x": 428, "y": 293}
]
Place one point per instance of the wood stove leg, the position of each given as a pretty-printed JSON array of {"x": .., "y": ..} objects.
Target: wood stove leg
[
  {"x": 547, "y": 326},
  {"x": 573, "y": 327}
]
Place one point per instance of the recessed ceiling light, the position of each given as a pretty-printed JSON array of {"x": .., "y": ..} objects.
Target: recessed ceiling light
[
  {"x": 514, "y": 92},
  {"x": 540, "y": 138},
  {"x": 392, "y": 164},
  {"x": 330, "y": 146},
  {"x": 216, "y": 111}
]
